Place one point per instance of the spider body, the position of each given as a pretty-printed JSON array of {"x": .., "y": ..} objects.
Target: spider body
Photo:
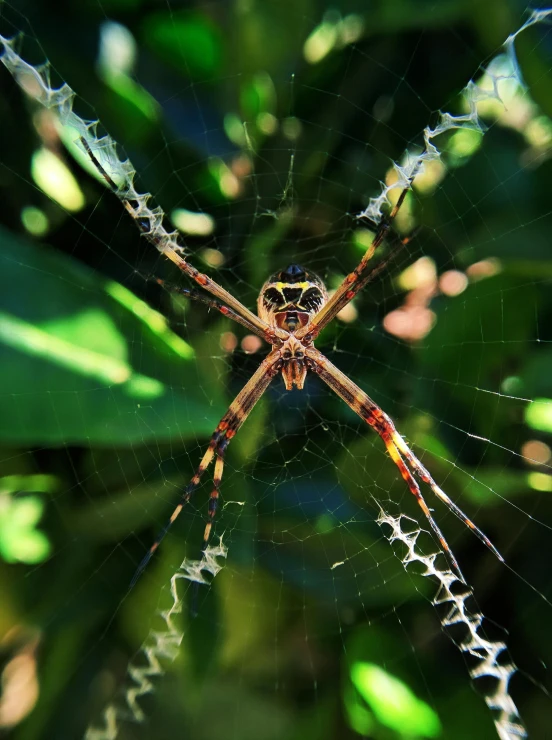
[{"x": 291, "y": 298}]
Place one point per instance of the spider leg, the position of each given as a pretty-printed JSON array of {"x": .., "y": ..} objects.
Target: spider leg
[
  {"x": 194, "y": 295},
  {"x": 237, "y": 413},
  {"x": 397, "y": 448},
  {"x": 149, "y": 223},
  {"x": 212, "y": 510},
  {"x": 381, "y": 422},
  {"x": 184, "y": 498},
  {"x": 357, "y": 279},
  {"x": 425, "y": 476},
  {"x": 215, "y": 493}
]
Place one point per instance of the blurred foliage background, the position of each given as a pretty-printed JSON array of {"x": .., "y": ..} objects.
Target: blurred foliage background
[{"x": 263, "y": 128}]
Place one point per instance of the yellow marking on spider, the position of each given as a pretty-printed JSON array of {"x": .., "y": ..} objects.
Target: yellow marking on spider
[
  {"x": 281, "y": 286},
  {"x": 405, "y": 449},
  {"x": 219, "y": 466},
  {"x": 394, "y": 454}
]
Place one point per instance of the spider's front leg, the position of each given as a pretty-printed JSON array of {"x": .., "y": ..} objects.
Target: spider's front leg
[
  {"x": 360, "y": 276},
  {"x": 150, "y": 224},
  {"x": 237, "y": 413},
  {"x": 194, "y": 295}
]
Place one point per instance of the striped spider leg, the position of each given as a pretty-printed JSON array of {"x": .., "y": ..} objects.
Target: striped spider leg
[
  {"x": 194, "y": 295},
  {"x": 144, "y": 217},
  {"x": 397, "y": 448},
  {"x": 237, "y": 413},
  {"x": 166, "y": 243},
  {"x": 357, "y": 279}
]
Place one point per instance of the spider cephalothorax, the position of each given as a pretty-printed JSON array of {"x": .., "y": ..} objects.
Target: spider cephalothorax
[
  {"x": 291, "y": 297},
  {"x": 293, "y": 363}
]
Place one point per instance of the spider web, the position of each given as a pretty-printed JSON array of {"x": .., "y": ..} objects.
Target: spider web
[{"x": 263, "y": 157}]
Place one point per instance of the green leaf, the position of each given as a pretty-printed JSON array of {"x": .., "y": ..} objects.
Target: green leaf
[
  {"x": 84, "y": 361},
  {"x": 186, "y": 40},
  {"x": 392, "y": 702},
  {"x": 19, "y": 541},
  {"x": 538, "y": 414}
]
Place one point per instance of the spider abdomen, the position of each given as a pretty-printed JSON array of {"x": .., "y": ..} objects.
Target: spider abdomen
[
  {"x": 291, "y": 320},
  {"x": 291, "y": 297}
]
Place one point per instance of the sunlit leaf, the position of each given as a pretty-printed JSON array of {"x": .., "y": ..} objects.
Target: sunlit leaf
[
  {"x": 70, "y": 353},
  {"x": 538, "y": 414},
  {"x": 53, "y": 176},
  {"x": 19, "y": 540},
  {"x": 393, "y": 703}
]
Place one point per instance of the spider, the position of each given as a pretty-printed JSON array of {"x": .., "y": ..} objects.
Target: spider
[{"x": 293, "y": 307}]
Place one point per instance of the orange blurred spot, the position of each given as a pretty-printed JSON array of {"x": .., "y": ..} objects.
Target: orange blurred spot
[
  {"x": 535, "y": 452},
  {"x": 251, "y": 344},
  {"x": 348, "y": 314},
  {"x": 242, "y": 166},
  {"x": 453, "y": 282},
  {"x": 213, "y": 257},
  {"x": 421, "y": 274},
  {"x": 47, "y": 128},
  {"x": 484, "y": 269},
  {"x": 20, "y": 689},
  {"x": 410, "y": 323},
  {"x": 228, "y": 341}
]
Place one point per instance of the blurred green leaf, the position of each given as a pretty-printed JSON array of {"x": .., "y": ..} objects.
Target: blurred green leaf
[
  {"x": 539, "y": 414},
  {"x": 258, "y": 96},
  {"x": 186, "y": 40},
  {"x": 135, "y": 105},
  {"x": 393, "y": 703},
  {"x": 19, "y": 540},
  {"x": 68, "y": 347}
]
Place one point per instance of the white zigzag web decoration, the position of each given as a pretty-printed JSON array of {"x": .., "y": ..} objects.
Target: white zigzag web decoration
[
  {"x": 159, "y": 645},
  {"x": 487, "y": 653}
]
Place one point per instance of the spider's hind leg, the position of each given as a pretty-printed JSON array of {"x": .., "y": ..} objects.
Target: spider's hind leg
[
  {"x": 425, "y": 476},
  {"x": 215, "y": 493},
  {"x": 389, "y": 435},
  {"x": 184, "y": 498},
  {"x": 237, "y": 413},
  {"x": 403, "y": 457}
]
